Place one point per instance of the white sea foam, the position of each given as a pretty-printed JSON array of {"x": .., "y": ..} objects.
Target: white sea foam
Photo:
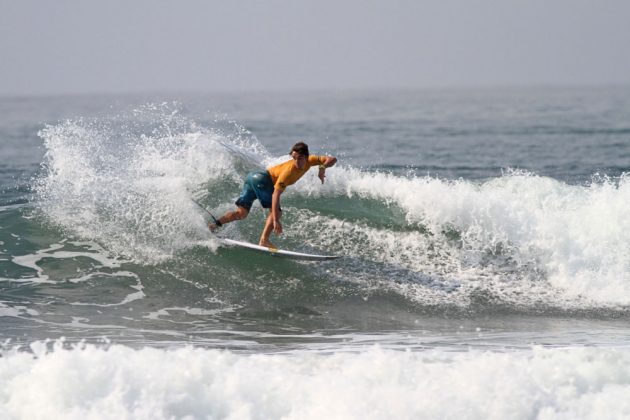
[
  {"x": 577, "y": 238},
  {"x": 95, "y": 383},
  {"x": 165, "y": 312},
  {"x": 16, "y": 311},
  {"x": 32, "y": 261},
  {"x": 130, "y": 189}
]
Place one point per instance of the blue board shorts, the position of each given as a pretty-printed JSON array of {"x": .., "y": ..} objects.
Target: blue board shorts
[{"x": 257, "y": 186}]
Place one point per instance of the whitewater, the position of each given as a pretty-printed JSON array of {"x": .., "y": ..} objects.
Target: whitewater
[
  {"x": 118, "y": 382},
  {"x": 485, "y": 271}
]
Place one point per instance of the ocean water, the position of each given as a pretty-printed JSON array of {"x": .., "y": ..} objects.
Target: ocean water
[{"x": 485, "y": 237}]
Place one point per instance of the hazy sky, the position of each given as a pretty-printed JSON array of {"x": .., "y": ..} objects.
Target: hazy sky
[{"x": 89, "y": 46}]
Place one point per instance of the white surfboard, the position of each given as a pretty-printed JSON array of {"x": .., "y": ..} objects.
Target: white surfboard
[{"x": 279, "y": 252}]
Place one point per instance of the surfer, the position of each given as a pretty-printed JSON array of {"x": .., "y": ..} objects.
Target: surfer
[{"x": 267, "y": 186}]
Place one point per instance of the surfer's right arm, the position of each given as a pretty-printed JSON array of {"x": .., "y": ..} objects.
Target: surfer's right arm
[{"x": 275, "y": 211}]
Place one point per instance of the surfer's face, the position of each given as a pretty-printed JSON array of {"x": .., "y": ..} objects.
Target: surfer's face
[{"x": 298, "y": 160}]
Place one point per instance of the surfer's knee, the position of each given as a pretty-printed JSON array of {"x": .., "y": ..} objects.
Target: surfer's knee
[{"x": 241, "y": 213}]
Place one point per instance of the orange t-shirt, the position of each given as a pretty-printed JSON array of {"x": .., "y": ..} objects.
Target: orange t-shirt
[{"x": 287, "y": 174}]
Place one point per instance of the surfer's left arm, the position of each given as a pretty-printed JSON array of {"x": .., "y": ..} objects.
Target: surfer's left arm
[{"x": 327, "y": 162}]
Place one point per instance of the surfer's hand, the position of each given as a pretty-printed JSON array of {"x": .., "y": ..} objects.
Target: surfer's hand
[
  {"x": 322, "y": 174},
  {"x": 277, "y": 228}
]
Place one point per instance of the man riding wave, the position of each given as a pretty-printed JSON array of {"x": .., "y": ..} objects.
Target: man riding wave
[{"x": 267, "y": 187}]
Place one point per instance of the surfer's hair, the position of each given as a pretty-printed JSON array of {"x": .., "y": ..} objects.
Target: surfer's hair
[{"x": 300, "y": 148}]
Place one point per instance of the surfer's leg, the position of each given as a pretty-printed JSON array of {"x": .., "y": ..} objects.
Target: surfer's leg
[
  {"x": 243, "y": 205},
  {"x": 264, "y": 238},
  {"x": 264, "y": 193},
  {"x": 239, "y": 214}
]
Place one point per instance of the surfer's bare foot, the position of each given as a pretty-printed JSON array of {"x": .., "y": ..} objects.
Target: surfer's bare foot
[
  {"x": 268, "y": 244},
  {"x": 213, "y": 227}
]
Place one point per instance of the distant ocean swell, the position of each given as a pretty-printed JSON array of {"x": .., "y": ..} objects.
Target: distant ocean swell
[
  {"x": 116, "y": 382},
  {"x": 520, "y": 239}
]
